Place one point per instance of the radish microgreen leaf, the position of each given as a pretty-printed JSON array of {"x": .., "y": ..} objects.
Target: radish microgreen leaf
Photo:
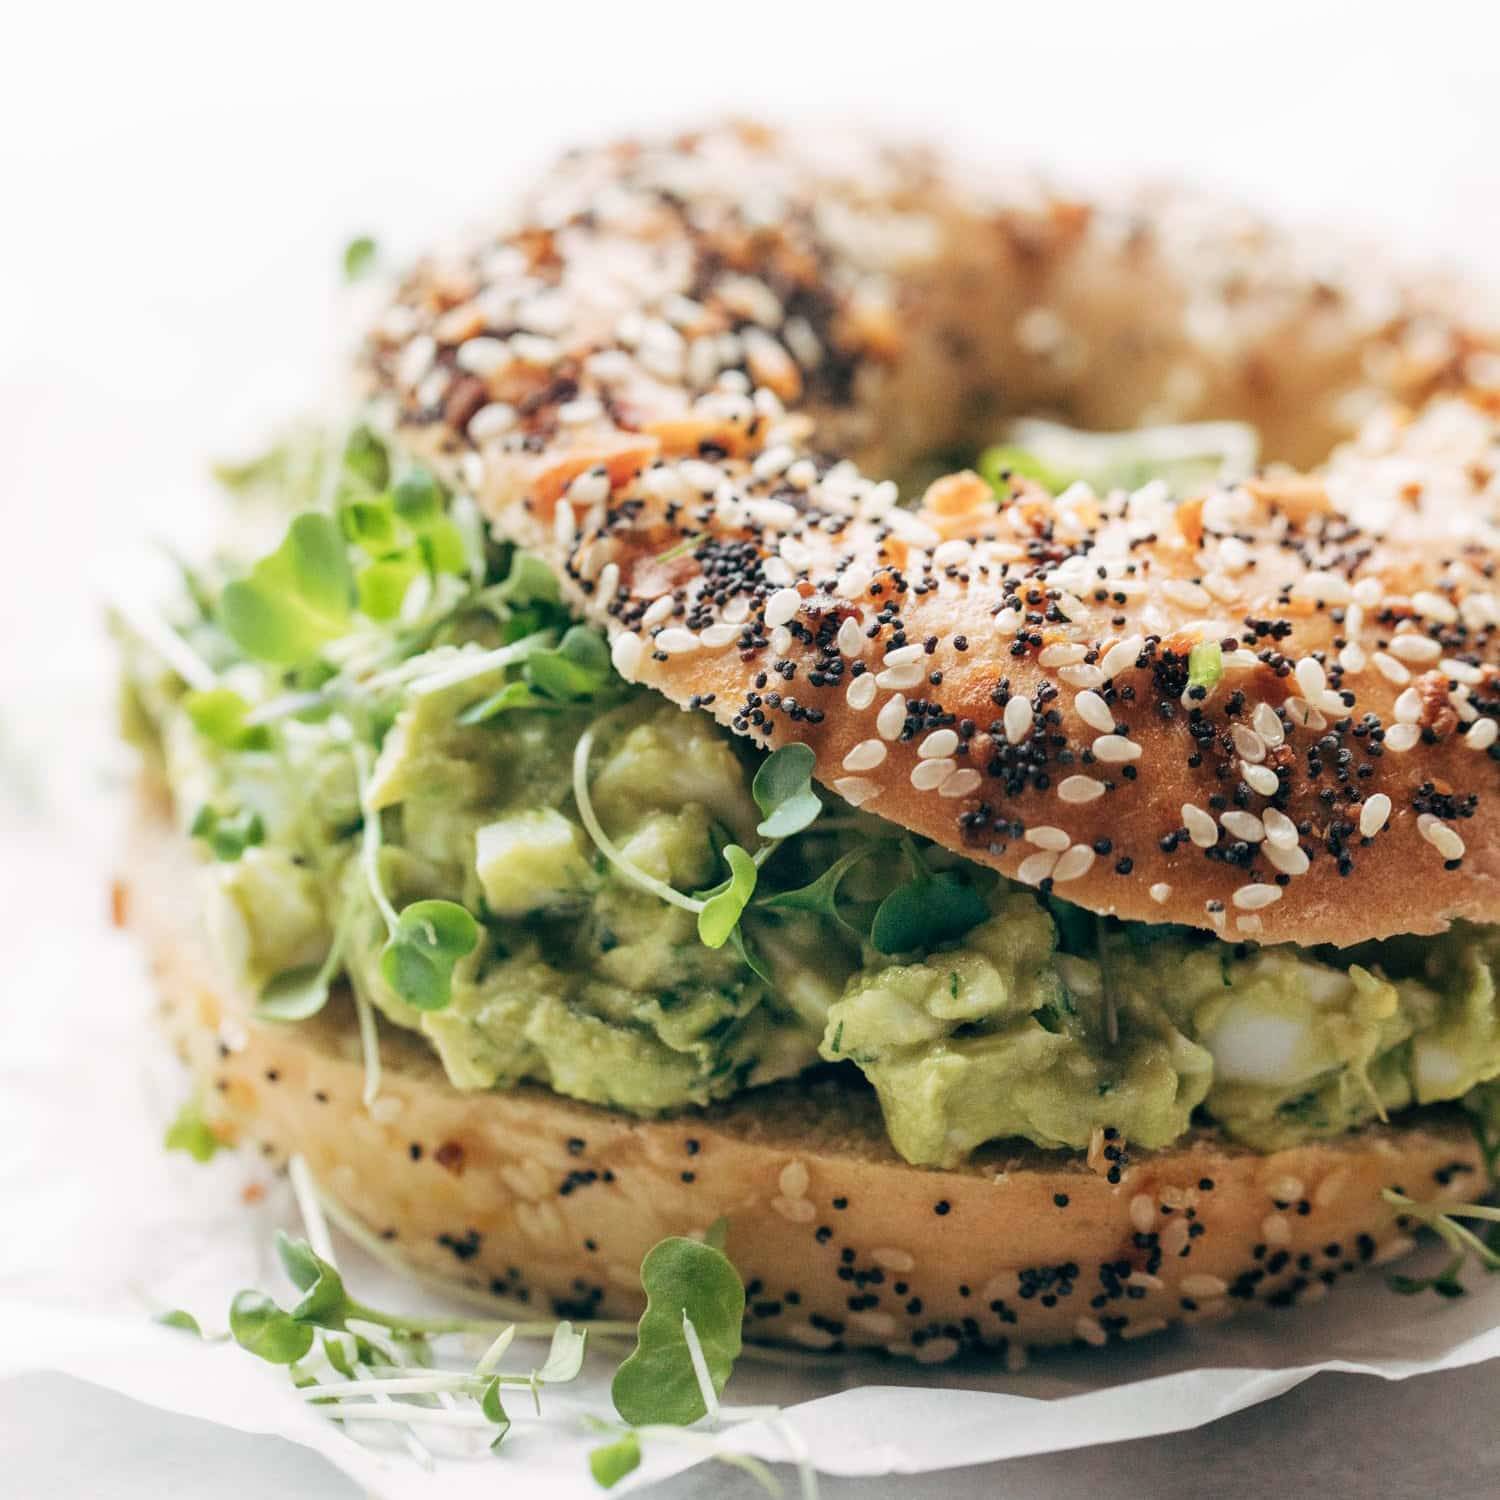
[
  {"x": 658, "y": 1383},
  {"x": 783, "y": 792},
  {"x": 428, "y": 940}
]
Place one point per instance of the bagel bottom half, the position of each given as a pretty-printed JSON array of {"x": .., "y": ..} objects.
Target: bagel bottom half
[{"x": 532, "y": 1196}]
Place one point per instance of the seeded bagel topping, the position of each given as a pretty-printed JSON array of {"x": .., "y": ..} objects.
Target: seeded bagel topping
[{"x": 1308, "y": 669}]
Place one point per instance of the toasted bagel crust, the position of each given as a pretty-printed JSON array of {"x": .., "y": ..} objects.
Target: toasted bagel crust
[
  {"x": 840, "y": 1242},
  {"x": 661, "y": 377}
]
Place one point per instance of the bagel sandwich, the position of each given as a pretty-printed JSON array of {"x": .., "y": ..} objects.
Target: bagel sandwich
[{"x": 1042, "y": 902}]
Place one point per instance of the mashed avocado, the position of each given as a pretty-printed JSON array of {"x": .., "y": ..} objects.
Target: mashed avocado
[
  {"x": 426, "y": 755},
  {"x": 1005, "y": 1036}
]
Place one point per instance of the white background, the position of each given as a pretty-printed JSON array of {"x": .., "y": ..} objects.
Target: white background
[{"x": 175, "y": 186}]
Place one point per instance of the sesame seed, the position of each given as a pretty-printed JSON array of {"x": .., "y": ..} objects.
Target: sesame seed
[
  {"x": 1202, "y": 829},
  {"x": 1122, "y": 655},
  {"x": 482, "y": 357},
  {"x": 676, "y": 641},
  {"x": 1075, "y": 863},
  {"x": 795, "y": 1210},
  {"x": 1373, "y": 815},
  {"x": 1082, "y": 676},
  {"x": 904, "y": 655},
  {"x": 1018, "y": 720},
  {"x": 963, "y": 781},
  {"x": 1268, "y": 725},
  {"x": 940, "y": 743},
  {"x": 1415, "y": 648},
  {"x": 1047, "y": 837},
  {"x": 1290, "y": 861},
  {"x": 793, "y": 1180},
  {"x": 1392, "y": 670},
  {"x": 1202, "y": 1286},
  {"x": 1442, "y": 838},
  {"x": 929, "y": 775},
  {"x": 782, "y": 606},
  {"x": 1255, "y": 896},
  {"x": 1091, "y": 1331},
  {"x": 1311, "y": 678},
  {"x": 861, "y": 692},
  {"x": 1244, "y": 825},
  {"x": 1280, "y": 830},
  {"x": 851, "y": 638},
  {"x": 1396, "y": 1248},
  {"x": 1063, "y": 654},
  {"x": 1161, "y": 893},
  {"x": 1408, "y": 707},
  {"x": 1094, "y": 711},
  {"x": 1261, "y": 779},
  {"x": 1142, "y": 1213},
  {"x": 1402, "y": 737},
  {"x": 1035, "y": 868},
  {"x": 1482, "y": 735},
  {"x": 855, "y": 790},
  {"x": 1079, "y": 789},
  {"x": 1115, "y": 749},
  {"x": 626, "y": 651},
  {"x": 1275, "y": 1229},
  {"x": 865, "y": 756},
  {"x": 1248, "y": 745},
  {"x": 891, "y": 719},
  {"x": 908, "y": 675}
]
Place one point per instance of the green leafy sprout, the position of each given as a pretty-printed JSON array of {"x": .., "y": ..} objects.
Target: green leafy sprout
[
  {"x": 190, "y": 1132},
  {"x": 927, "y": 910},
  {"x": 359, "y": 257},
  {"x": 355, "y": 1362},
  {"x": 227, "y": 835},
  {"x": 783, "y": 792},
  {"x": 1462, "y": 1242}
]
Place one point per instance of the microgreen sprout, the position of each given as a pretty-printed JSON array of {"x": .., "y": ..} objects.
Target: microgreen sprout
[
  {"x": 227, "y": 835},
  {"x": 578, "y": 668},
  {"x": 611, "y": 1462},
  {"x": 190, "y": 1132},
  {"x": 783, "y": 792},
  {"x": 427, "y": 941},
  {"x": 721, "y": 911},
  {"x": 1000, "y": 463},
  {"x": 820, "y": 896},
  {"x": 424, "y": 941},
  {"x": 1463, "y": 1243},
  {"x": 359, "y": 257},
  {"x": 929, "y": 909},
  {"x": 219, "y": 716},
  {"x": 297, "y": 599},
  {"x": 182, "y": 1320},
  {"x": 688, "y": 1283},
  {"x": 296, "y": 994}
]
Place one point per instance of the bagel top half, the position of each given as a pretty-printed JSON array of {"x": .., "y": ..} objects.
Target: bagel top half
[{"x": 683, "y": 373}]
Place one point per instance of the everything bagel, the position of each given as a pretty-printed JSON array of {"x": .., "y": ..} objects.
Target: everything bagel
[
  {"x": 1036, "y": 653},
  {"x": 1199, "y": 909}
]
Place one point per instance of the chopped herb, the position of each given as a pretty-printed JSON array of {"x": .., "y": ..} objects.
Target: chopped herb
[{"x": 1205, "y": 664}]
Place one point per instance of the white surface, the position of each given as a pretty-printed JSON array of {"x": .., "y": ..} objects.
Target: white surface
[{"x": 177, "y": 182}]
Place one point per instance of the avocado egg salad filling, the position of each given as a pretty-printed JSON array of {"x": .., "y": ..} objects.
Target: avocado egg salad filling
[{"x": 410, "y": 773}]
